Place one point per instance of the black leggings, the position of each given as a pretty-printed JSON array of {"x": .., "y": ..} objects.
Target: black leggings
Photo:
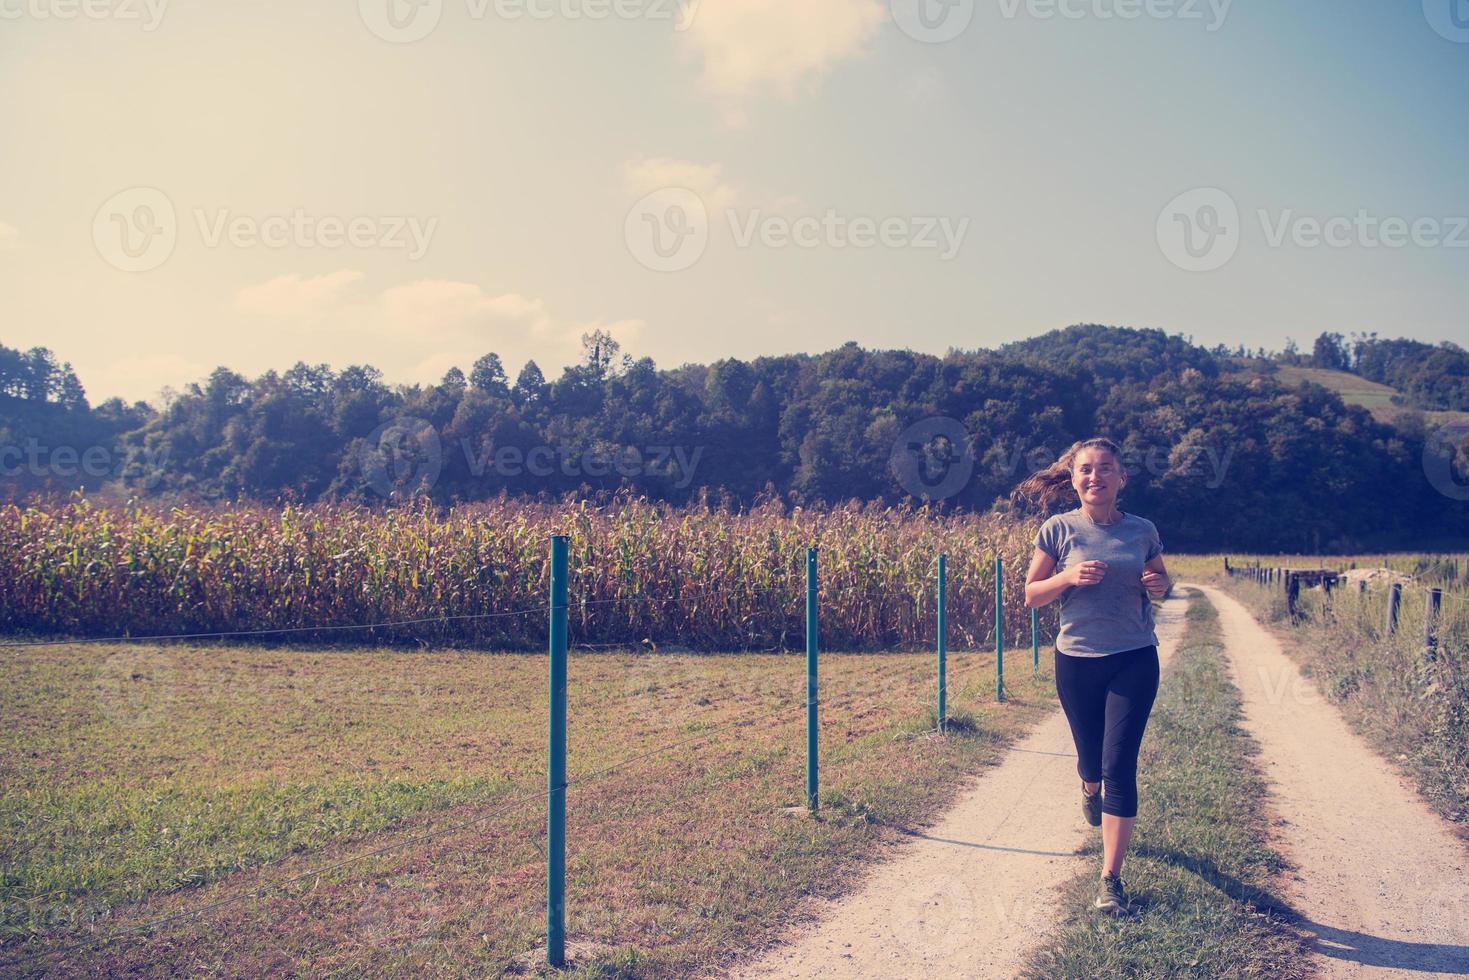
[{"x": 1107, "y": 701}]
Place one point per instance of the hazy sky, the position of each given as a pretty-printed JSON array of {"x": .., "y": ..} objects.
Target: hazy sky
[{"x": 412, "y": 183}]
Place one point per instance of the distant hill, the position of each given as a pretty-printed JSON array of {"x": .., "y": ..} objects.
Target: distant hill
[{"x": 1285, "y": 452}]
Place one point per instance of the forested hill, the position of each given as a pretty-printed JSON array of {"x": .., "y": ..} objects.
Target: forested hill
[{"x": 1224, "y": 449}]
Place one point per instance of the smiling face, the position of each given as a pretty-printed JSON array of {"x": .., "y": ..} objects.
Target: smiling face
[{"x": 1096, "y": 476}]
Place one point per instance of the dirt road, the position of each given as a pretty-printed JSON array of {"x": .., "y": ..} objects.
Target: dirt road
[
  {"x": 1382, "y": 882},
  {"x": 969, "y": 897}
]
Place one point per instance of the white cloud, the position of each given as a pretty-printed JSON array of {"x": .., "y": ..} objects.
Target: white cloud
[
  {"x": 296, "y": 297},
  {"x": 439, "y": 306},
  {"x": 751, "y": 47},
  {"x": 648, "y": 174},
  {"x": 9, "y": 237}
]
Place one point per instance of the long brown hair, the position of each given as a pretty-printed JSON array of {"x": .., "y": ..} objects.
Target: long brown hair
[{"x": 1042, "y": 488}]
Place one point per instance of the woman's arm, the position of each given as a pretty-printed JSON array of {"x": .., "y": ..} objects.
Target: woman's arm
[
  {"x": 1041, "y": 587},
  {"x": 1156, "y": 579}
]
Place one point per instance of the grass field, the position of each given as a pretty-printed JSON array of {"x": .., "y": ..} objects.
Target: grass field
[
  {"x": 1200, "y": 871},
  {"x": 144, "y": 782},
  {"x": 1354, "y": 390}
]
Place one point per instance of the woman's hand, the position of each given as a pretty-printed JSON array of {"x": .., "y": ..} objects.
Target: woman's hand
[
  {"x": 1157, "y": 584},
  {"x": 1086, "y": 573}
]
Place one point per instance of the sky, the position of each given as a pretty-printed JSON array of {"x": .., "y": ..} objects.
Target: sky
[{"x": 413, "y": 183}]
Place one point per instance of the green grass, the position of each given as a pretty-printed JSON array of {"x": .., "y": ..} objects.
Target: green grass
[
  {"x": 1201, "y": 869},
  {"x": 144, "y": 782},
  {"x": 1355, "y": 390}
]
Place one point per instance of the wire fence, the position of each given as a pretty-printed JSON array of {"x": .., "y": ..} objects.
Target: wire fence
[
  {"x": 1418, "y": 631},
  {"x": 579, "y": 619}
]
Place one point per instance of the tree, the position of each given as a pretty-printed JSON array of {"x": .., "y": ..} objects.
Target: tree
[
  {"x": 599, "y": 350},
  {"x": 530, "y": 385},
  {"x": 488, "y": 375},
  {"x": 453, "y": 381},
  {"x": 1330, "y": 352}
]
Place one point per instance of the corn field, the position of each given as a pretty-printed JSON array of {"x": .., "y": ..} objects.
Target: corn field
[{"x": 700, "y": 576}]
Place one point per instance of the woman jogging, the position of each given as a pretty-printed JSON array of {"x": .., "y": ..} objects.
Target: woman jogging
[{"x": 1102, "y": 564}]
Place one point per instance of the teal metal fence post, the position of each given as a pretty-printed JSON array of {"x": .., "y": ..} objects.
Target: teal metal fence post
[
  {"x": 943, "y": 646},
  {"x": 556, "y": 765},
  {"x": 811, "y": 689},
  {"x": 999, "y": 630},
  {"x": 1035, "y": 641}
]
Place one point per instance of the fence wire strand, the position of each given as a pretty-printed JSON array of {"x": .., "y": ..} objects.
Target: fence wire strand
[{"x": 501, "y": 806}]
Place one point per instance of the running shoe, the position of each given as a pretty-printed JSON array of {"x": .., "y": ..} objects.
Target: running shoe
[
  {"x": 1091, "y": 806},
  {"x": 1112, "y": 897}
]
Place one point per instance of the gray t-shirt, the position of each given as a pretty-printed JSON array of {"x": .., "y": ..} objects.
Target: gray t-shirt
[{"x": 1114, "y": 615}]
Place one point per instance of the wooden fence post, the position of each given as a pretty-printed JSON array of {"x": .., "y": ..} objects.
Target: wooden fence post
[
  {"x": 1394, "y": 596},
  {"x": 1292, "y": 593},
  {"x": 1430, "y": 625}
]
